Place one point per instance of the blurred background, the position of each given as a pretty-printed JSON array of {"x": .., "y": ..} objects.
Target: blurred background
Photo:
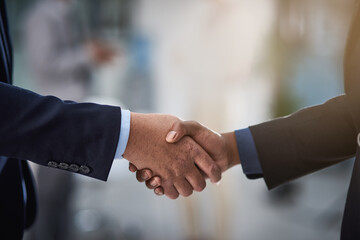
[{"x": 226, "y": 63}]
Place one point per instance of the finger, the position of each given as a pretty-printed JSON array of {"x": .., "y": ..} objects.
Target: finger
[
  {"x": 159, "y": 191},
  {"x": 132, "y": 167},
  {"x": 179, "y": 130},
  {"x": 196, "y": 180},
  {"x": 190, "y": 128},
  {"x": 183, "y": 187},
  {"x": 170, "y": 191},
  {"x": 206, "y": 137},
  {"x": 173, "y": 136},
  {"x": 143, "y": 175},
  {"x": 206, "y": 164},
  {"x": 153, "y": 182}
]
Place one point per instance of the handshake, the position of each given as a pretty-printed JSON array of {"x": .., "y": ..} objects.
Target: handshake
[{"x": 174, "y": 157}]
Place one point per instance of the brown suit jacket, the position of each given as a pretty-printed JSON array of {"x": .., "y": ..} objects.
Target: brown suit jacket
[{"x": 320, "y": 136}]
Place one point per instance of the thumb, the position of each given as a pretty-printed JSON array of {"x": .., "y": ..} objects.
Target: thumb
[
  {"x": 132, "y": 167},
  {"x": 177, "y": 132}
]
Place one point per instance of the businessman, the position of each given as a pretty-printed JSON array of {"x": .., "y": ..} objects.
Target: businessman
[
  {"x": 82, "y": 138},
  {"x": 290, "y": 147},
  {"x": 60, "y": 58}
]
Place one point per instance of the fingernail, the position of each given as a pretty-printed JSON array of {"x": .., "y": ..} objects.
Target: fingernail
[
  {"x": 144, "y": 176},
  {"x": 158, "y": 192},
  {"x": 171, "y": 136},
  {"x": 153, "y": 183}
]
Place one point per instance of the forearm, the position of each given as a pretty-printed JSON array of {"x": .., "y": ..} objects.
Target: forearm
[
  {"x": 46, "y": 129},
  {"x": 307, "y": 141}
]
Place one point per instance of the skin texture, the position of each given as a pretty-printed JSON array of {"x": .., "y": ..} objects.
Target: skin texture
[
  {"x": 221, "y": 147},
  {"x": 177, "y": 165}
]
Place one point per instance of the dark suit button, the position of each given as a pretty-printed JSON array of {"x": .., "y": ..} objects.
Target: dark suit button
[
  {"x": 358, "y": 139},
  {"x": 64, "y": 166},
  {"x": 53, "y": 164},
  {"x": 74, "y": 167},
  {"x": 84, "y": 169}
]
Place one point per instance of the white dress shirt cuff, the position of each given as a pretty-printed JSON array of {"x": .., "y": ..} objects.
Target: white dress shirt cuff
[{"x": 124, "y": 133}]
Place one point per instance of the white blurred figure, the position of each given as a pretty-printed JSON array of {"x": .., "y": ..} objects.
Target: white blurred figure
[{"x": 59, "y": 59}]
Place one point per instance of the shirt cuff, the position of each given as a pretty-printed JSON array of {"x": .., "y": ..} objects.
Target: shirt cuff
[
  {"x": 247, "y": 152},
  {"x": 124, "y": 134}
]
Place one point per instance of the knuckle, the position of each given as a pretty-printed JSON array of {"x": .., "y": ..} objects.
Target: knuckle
[
  {"x": 178, "y": 172},
  {"x": 179, "y": 126},
  {"x": 193, "y": 123},
  {"x": 195, "y": 151},
  {"x": 175, "y": 118}
]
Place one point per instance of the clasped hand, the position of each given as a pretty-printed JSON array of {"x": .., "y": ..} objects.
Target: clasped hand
[{"x": 175, "y": 157}]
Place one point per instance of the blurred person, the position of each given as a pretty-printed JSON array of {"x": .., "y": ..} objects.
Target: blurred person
[
  {"x": 59, "y": 58},
  {"x": 60, "y": 62},
  {"x": 293, "y": 146},
  {"x": 82, "y": 138}
]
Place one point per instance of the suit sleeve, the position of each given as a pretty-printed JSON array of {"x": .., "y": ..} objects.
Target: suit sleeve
[
  {"x": 45, "y": 129},
  {"x": 309, "y": 140},
  {"x": 247, "y": 153}
]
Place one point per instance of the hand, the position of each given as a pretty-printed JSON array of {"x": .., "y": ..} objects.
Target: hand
[
  {"x": 100, "y": 52},
  {"x": 177, "y": 164},
  {"x": 147, "y": 175},
  {"x": 221, "y": 147}
]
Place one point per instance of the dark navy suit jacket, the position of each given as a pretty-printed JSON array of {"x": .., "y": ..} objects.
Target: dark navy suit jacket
[{"x": 48, "y": 131}]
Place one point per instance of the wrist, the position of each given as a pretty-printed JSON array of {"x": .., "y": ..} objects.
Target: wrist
[
  {"x": 146, "y": 131},
  {"x": 133, "y": 135},
  {"x": 124, "y": 134},
  {"x": 231, "y": 148}
]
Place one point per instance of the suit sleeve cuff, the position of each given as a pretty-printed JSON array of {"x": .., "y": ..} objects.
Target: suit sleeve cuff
[
  {"x": 247, "y": 152},
  {"x": 124, "y": 133}
]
